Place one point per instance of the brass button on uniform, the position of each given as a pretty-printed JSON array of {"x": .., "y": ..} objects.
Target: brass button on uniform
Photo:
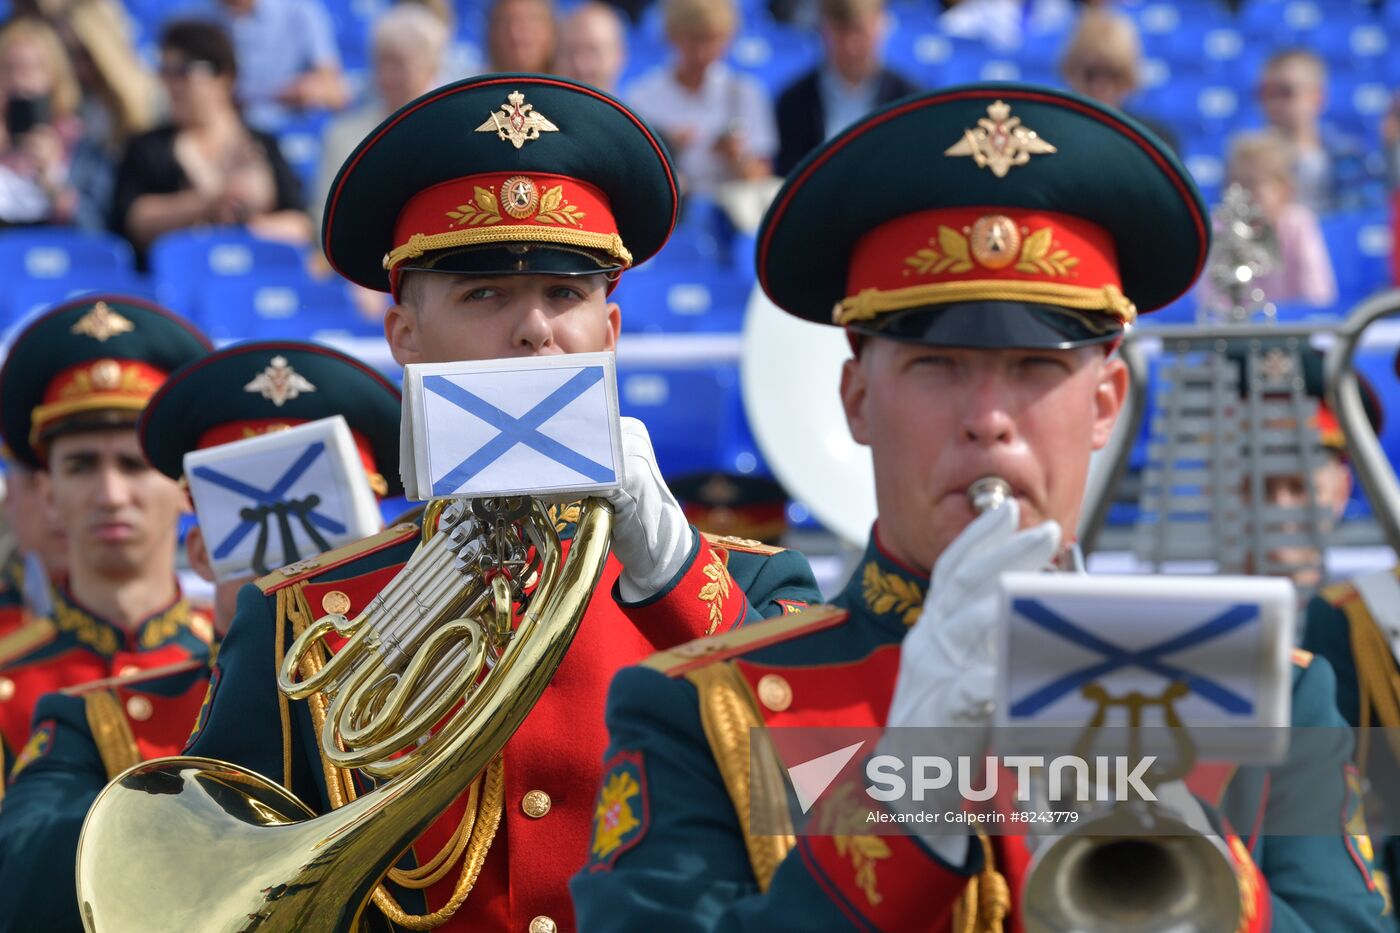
[
  {"x": 127, "y": 670},
  {"x": 536, "y": 804},
  {"x": 774, "y": 692},
  {"x": 138, "y": 708},
  {"x": 543, "y": 924},
  {"x": 336, "y": 603},
  {"x": 7, "y": 689}
]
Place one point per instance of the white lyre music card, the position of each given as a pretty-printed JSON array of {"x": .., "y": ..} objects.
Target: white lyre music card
[
  {"x": 270, "y": 500},
  {"x": 1210, "y": 654},
  {"x": 544, "y": 426}
]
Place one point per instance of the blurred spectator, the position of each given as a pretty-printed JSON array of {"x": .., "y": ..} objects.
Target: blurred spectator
[
  {"x": 287, "y": 56},
  {"x": 1103, "y": 61},
  {"x": 41, "y": 128},
  {"x": 520, "y": 35},
  {"x": 593, "y": 46},
  {"x": 41, "y": 544},
  {"x": 206, "y": 166},
  {"x": 1259, "y": 162},
  {"x": 1005, "y": 25},
  {"x": 718, "y": 123},
  {"x": 407, "y": 50},
  {"x": 1334, "y": 170},
  {"x": 119, "y": 97},
  {"x": 850, "y": 83}
]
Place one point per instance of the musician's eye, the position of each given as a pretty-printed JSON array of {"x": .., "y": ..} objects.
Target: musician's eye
[
  {"x": 481, "y": 294},
  {"x": 1047, "y": 361},
  {"x": 566, "y": 293}
]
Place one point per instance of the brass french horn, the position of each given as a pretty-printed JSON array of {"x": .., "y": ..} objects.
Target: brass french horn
[{"x": 195, "y": 844}]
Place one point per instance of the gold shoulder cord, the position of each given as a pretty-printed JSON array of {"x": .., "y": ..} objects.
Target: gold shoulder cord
[
  {"x": 986, "y": 900},
  {"x": 1377, "y": 681},
  {"x": 473, "y": 835},
  {"x": 728, "y": 715},
  {"x": 112, "y": 733}
]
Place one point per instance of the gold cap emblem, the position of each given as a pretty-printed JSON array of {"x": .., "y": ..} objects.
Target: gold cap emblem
[
  {"x": 999, "y": 141},
  {"x": 102, "y": 323},
  {"x": 517, "y": 122},
  {"x": 520, "y": 197},
  {"x": 996, "y": 242},
  {"x": 106, "y": 375},
  {"x": 279, "y": 382}
]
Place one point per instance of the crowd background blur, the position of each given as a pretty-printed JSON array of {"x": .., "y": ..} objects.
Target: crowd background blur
[{"x": 182, "y": 149}]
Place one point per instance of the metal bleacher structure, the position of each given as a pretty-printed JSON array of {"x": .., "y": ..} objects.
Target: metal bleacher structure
[{"x": 679, "y": 357}]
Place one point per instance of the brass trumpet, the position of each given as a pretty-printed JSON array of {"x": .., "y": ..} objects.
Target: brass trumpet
[
  {"x": 192, "y": 843},
  {"x": 1129, "y": 868}
]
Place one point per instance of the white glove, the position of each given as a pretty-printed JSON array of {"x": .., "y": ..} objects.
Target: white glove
[
  {"x": 947, "y": 664},
  {"x": 651, "y": 537},
  {"x": 948, "y": 659}
]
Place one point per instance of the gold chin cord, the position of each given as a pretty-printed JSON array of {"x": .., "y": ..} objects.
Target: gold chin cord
[{"x": 217, "y": 847}]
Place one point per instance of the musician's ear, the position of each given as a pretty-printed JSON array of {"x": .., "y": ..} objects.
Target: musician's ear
[
  {"x": 1109, "y": 396},
  {"x": 198, "y": 554},
  {"x": 401, "y": 320},
  {"x": 614, "y": 325}
]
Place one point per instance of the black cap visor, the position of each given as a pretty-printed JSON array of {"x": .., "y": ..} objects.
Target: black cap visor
[
  {"x": 517, "y": 259},
  {"x": 995, "y": 325}
]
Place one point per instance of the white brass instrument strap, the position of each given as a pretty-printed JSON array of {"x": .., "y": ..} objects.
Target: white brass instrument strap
[{"x": 1380, "y": 591}]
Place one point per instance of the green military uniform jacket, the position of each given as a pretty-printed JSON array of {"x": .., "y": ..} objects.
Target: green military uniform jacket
[{"x": 672, "y": 848}]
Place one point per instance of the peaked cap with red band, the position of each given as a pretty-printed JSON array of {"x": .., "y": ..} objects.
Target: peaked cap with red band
[
  {"x": 250, "y": 389},
  {"x": 994, "y": 215},
  {"x": 501, "y": 174},
  {"x": 89, "y": 364}
]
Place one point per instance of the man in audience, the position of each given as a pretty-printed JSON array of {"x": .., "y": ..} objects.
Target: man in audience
[
  {"x": 1334, "y": 170},
  {"x": 850, "y": 82},
  {"x": 593, "y": 46},
  {"x": 520, "y": 35},
  {"x": 717, "y": 122},
  {"x": 288, "y": 56}
]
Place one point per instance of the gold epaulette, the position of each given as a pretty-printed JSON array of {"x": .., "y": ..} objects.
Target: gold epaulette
[
  {"x": 33, "y": 634},
  {"x": 1337, "y": 593},
  {"x": 747, "y": 545},
  {"x": 1302, "y": 657},
  {"x": 293, "y": 573},
  {"x": 682, "y": 659},
  {"x": 136, "y": 677}
]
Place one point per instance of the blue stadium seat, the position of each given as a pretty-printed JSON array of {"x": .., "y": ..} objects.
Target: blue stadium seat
[
  {"x": 776, "y": 55},
  {"x": 686, "y": 409},
  {"x": 1357, "y": 102},
  {"x": 54, "y": 253},
  {"x": 181, "y": 262},
  {"x": 699, "y": 299},
  {"x": 27, "y": 296},
  {"x": 1355, "y": 46},
  {"x": 274, "y": 307},
  {"x": 1359, "y": 243},
  {"x": 299, "y": 139}
]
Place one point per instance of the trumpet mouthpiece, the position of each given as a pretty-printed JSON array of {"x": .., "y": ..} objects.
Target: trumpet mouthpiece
[{"x": 989, "y": 492}]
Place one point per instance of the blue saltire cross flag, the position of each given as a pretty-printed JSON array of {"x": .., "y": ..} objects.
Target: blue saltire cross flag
[
  {"x": 543, "y": 425},
  {"x": 1213, "y": 651}
]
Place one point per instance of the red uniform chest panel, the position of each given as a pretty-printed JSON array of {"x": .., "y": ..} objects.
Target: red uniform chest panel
[
  {"x": 855, "y": 694},
  {"x": 21, "y": 688},
  {"x": 161, "y": 724}
]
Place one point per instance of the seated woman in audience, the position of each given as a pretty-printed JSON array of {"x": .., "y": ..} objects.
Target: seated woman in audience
[
  {"x": 120, "y": 99},
  {"x": 205, "y": 167},
  {"x": 717, "y": 122},
  {"x": 41, "y": 127},
  {"x": 1303, "y": 273}
]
